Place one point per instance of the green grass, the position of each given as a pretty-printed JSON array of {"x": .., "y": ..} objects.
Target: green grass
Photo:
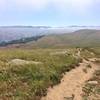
[
  {"x": 30, "y": 81},
  {"x": 96, "y": 51},
  {"x": 86, "y": 53},
  {"x": 92, "y": 91},
  {"x": 81, "y": 38}
]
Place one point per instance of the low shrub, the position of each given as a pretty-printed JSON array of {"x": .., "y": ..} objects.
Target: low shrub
[{"x": 30, "y": 81}]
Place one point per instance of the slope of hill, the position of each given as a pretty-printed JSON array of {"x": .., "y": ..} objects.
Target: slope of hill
[
  {"x": 81, "y": 38},
  {"x": 20, "y": 41},
  {"x": 9, "y": 33}
]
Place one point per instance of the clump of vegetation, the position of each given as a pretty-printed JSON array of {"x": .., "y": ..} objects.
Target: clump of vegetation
[
  {"x": 30, "y": 81},
  {"x": 96, "y": 51},
  {"x": 86, "y": 54},
  {"x": 22, "y": 40},
  {"x": 84, "y": 70},
  {"x": 97, "y": 61},
  {"x": 92, "y": 91},
  {"x": 86, "y": 59},
  {"x": 89, "y": 66}
]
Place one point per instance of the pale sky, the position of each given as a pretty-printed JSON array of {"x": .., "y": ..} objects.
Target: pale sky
[{"x": 50, "y": 12}]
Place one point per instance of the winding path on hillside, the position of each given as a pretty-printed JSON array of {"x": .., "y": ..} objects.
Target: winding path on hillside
[{"x": 71, "y": 84}]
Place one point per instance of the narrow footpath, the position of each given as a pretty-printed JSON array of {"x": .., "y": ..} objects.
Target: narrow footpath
[{"x": 71, "y": 84}]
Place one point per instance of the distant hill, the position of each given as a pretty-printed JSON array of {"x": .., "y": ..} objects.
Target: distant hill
[
  {"x": 9, "y": 33},
  {"x": 80, "y": 38}
]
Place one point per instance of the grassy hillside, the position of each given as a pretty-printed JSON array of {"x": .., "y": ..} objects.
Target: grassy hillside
[
  {"x": 81, "y": 38},
  {"x": 91, "y": 91},
  {"x": 29, "y": 81}
]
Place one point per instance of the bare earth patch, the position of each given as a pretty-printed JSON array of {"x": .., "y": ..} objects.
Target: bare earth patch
[{"x": 71, "y": 85}]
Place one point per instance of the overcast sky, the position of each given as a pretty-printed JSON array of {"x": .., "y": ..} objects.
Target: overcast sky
[{"x": 50, "y": 12}]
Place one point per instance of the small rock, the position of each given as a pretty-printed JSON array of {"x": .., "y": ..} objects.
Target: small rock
[
  {"x": 22, "y": 62},
  {"x": 93, "y": 82},
  {"x": 70, "y": 98}
]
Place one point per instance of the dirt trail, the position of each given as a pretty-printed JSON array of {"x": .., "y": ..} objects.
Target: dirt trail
[{"x": 71, "y": 84}]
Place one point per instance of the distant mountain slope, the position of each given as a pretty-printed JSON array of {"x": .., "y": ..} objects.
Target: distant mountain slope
[
  {"x": 20, "y": 41},
  {"x": 80, "y": 38},
  {"x": 9, "y": 33}
]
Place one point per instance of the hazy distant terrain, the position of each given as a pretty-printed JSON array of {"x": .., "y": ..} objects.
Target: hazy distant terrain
[
  {"x": 80, "y": 38},
  {"x": 73, "y": 36},
  {"x": 8, "y": 33}
]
